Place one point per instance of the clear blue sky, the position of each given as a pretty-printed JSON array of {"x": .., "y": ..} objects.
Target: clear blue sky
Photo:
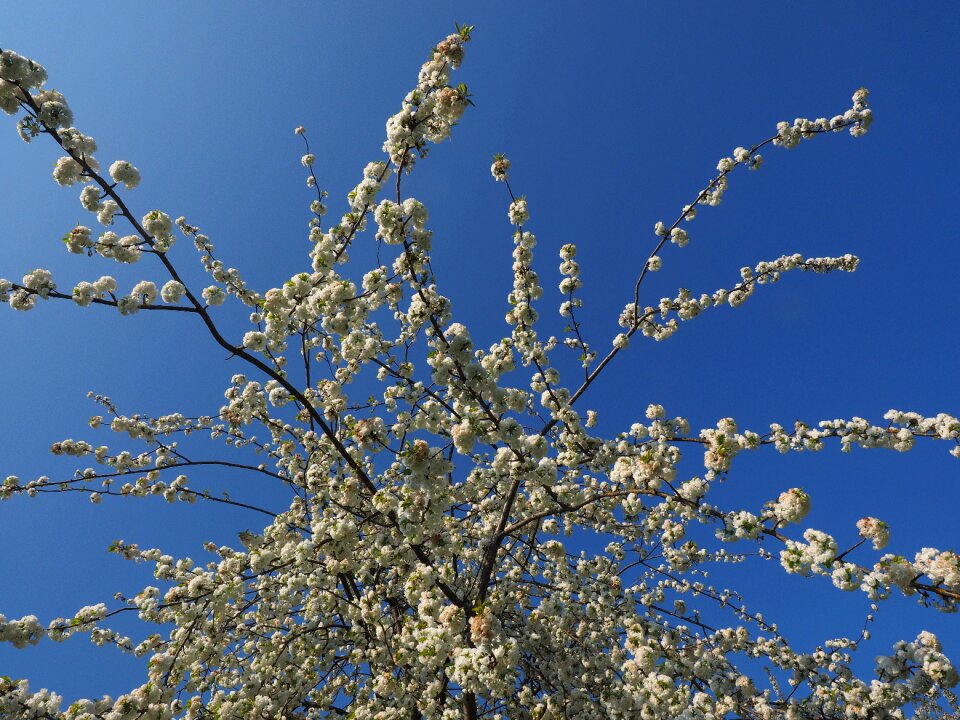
[{"x": 614, "y": 116}]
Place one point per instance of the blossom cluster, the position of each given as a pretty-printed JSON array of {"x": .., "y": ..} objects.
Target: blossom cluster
[
  {"x": 686, "y": 306},
  {"x": 433, "y": 107},
  {"x": 858, "y": 119}
]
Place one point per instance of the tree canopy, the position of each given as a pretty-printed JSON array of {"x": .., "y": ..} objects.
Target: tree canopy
[{"x": 463, "y": 533}]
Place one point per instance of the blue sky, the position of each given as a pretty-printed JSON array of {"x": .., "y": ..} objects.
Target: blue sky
[{"x": 614, "y": 117}]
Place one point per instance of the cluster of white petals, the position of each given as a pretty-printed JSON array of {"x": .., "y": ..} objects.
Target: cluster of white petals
[
  {"x": 874, "y": 530},
  {"x": 123, "y": 172},
  {"x": 500, "y": 169}
]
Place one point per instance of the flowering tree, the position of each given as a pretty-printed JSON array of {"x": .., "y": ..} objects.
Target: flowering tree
[{"x": 426, "y": 565}]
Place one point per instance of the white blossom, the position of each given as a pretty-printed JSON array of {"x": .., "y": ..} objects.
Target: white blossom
[{"x": 123, "y": 172}]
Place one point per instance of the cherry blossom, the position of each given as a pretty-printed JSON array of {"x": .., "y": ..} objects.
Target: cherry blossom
[{"x": 426, "y": 564}]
